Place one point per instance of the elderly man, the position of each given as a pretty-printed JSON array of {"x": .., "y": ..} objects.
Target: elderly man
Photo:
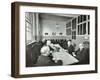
[
  {"x": 82, "y": 54},
  {"x": 44, "y": 59}
]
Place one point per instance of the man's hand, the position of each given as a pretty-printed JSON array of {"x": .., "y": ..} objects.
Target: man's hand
[{"x": 73, "y": 54}]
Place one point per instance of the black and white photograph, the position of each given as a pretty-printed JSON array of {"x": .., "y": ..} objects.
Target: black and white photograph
[
  {"x": 51, "y": 39},
  {"x": 57, "y": 39}
]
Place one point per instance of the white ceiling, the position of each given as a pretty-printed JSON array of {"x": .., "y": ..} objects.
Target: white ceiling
[
  {"x": 67, "y": 15},
  {"x": 64, "y": 17},
  {"x": 60, "y": 15}
]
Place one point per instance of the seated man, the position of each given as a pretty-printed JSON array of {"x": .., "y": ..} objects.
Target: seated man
[
  {"x": 70, "y": 47},
  {"x": 48, "y": 43},
  {"x": 32, "y": 53},
  {"x": 44, "y": 59},
  {"x": 82, "y": 54}
]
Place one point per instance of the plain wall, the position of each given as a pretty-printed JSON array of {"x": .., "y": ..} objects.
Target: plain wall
[{"x": 54, "y": 24}]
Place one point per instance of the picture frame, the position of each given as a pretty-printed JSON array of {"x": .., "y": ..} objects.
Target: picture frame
[{"x": 18, "y": 41}]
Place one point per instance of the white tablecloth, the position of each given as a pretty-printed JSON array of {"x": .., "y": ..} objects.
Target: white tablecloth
[{"x": 65, "y": 57}]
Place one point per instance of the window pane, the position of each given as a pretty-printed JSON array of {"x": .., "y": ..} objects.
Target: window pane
[
  {"x": 88, "y": 27},
  {"x": 68, "y": 25},
  {"x": 68, "y": 31},
  {"x": 84, "y": 17},
  {"x": 27, "y": 15},
  {"x": 28, "y": 36},
  {"x": 81, "y": 29},
  {"x": 28, "y": 29},
  {"x": 78, "y": 29},
  {"x": 28, "y": 25},
  {"x": 74, "y": 35},
  {"x": 81, "y": 19},
  {"x": 74, "y": 24},
  {"x": 78, "y": 19},
  {"x": 88, "y": 17},
  {"x": 84, "y": 28}
]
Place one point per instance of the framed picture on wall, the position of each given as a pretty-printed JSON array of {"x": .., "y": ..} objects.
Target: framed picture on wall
[
  {"x": 35, "y": 53},
  {"x": 46, "y": 33}
]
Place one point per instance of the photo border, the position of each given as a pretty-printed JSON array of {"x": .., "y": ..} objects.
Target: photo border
[{"x": 15, "y": 32}]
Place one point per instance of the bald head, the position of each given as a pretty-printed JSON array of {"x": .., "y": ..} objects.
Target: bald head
[
  {"x": 45, "y": 50},
  {"x": 43, "y": 40},
  {"x": 81, "y": 46}
]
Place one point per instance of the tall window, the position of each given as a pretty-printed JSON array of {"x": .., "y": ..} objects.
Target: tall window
[
  {"x": 68, "y": 28},
  {"x": 74, "y": 28},
  {"x": 28, "y": 27},
  {"x": 78, "y": 26},
  {"x": 74, "y": 24},
  {"x": 83, "y": 24},
  {"x": 74, "y": 35}
]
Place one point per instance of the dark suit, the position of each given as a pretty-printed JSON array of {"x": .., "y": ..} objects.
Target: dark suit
[
  {"x": 46, "y": 61},
  {"x": 32, "y": 53},
  {"x": 83, "y": 56},
  {"x": 29, "y": 62},
  {"x": 36, "y": 51},
  {"x": 70, "y": 49}
]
